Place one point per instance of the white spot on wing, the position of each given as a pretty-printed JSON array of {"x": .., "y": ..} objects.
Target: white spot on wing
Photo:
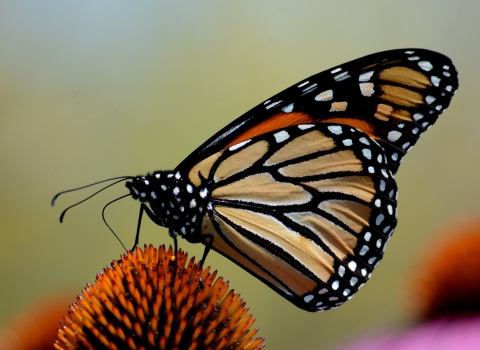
[
  {"x": 417, "y": 116},
  {"x": 305, "y": 126},
  {"x": 379, "y": 219},
  {"x": 303, "y": 84},
  {"x": 429, "y": 99},
  {"x": 367, "y": 89},
  {"x": 390, "y": 209},
  {"x": 435, "y": 80},
  {"x": 336, "y": 70},
  {"x": 308, "y": 298},
  {"x": 335, "y": 285},
  {"x": 288, "y": 109},
  {"x": 310, "y": 88},
  {"x": 335, "y": 129},
  {"x": 324, "y": 96},
  {"x": 394, "y": 135},
  {"x": 239, "y": 145},
  {"x": 364, "y": 141},
  {"x": 365, "y": 76},
  {"x": 341, "y": 76},
  {"x": 364, "y": 250},
  {"x": 382, "y": 185},
  {"x": 271, "y": 105},
  {"x": 425, "y": 65},
  {"x": 367, "y": 153},
  {"x": 281, "y": 136}
]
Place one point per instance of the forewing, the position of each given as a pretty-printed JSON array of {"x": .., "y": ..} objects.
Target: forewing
[{"x": 392, "y": 96}]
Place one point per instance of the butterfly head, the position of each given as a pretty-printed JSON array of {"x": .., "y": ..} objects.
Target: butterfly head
[{"x": 175, "y": 202}]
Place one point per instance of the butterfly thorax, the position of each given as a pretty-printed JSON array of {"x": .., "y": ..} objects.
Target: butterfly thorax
[{"x": 176, "y": 202}]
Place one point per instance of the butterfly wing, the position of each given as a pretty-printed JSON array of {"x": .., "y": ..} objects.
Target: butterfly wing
[
  {"x": 302, "y": 189},
  {"x": 307, "y": 209},
  {"x": 392, "y": 96}
]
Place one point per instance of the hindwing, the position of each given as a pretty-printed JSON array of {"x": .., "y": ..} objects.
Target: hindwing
[{"x": 308, "y": 209}]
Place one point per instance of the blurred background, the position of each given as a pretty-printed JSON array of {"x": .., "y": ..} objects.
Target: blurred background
[{"x": 92, "y": 90}]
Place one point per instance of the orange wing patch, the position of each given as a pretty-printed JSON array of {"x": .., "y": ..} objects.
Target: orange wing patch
[
  {"x": 278, "y": 121},
  {"x": 405, "y": 76}
]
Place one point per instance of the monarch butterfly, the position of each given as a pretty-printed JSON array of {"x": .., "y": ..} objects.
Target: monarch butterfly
[{"x": 300, "y": 190}]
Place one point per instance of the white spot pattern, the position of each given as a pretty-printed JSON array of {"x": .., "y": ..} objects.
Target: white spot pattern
[
  {"x": 367, "y": 153},
  {"x": 281, "y": 136},
  {"x": 305, "y": 126},
  {"x": 367, "y": 89},
  {"x": 425, "y": 65},
  {"x": 394, "y": 135},
  {"x": 239, "y": 145},
  {"x": 435, "y": 80},
  {"x": 429, "y": 99},
  {"x": 271, "y": 105},
  {"x": 308, "y": 298},
  {"x": 324, "y": 96},
  {"x": 288, "y": 109},
  {"x": 365, "y": 76},
  {"x": 335, "y": 129}
]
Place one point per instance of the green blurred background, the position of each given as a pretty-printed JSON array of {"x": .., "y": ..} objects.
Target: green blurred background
[{"x": 91, "y": 90}]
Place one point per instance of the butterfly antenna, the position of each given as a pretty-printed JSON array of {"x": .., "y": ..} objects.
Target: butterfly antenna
[
  {"x": 54, "y": 199},
  {"x": 105, "y": 221},
  {"x": 123, "y": 178}
]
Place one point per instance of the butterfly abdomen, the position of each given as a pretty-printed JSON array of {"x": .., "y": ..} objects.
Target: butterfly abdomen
[{"x": 175, "y": 201}]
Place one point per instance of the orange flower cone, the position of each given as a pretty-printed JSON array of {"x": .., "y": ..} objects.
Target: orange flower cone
[{"x": 135, "y": 304}]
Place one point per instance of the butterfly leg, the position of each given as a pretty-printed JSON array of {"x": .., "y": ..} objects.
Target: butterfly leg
[
  {"x": 207, "y": 240},
  {"x": 144, "y": 208}
]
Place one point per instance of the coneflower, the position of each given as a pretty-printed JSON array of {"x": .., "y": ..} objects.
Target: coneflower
[{"x": 138, "y": 303}]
